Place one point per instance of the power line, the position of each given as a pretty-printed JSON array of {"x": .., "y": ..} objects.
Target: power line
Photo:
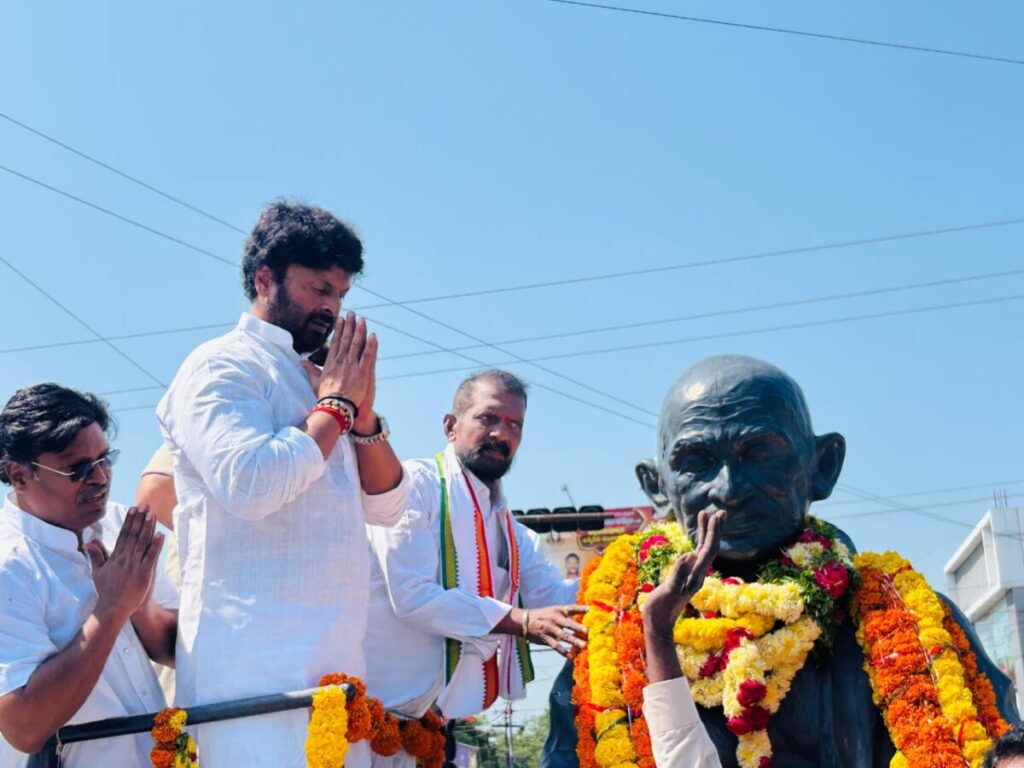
[
  {"x": 551, "y": 371},
  {"x": 80, "y": 321},
  {"x": 226, "y": 261},
  {"x": 932, "y": 492},
  {"x": 732, "y": 334},
  {"x": 817, "y": 248},
  {"x": 796, "y": 32},
  {"x": 735, "y": 311},
  {"x": 120, "y": 337},
  {"x": 685, "y": 340},
  {"x": 895, "y": 506},
  {"x": 481, "y": 364},
  {"x": 587, "y": 331},
  {"x": 923, "y": 511},
  {"x": 116, "y": 215},
  {"x": 390, "y": 303},
  {"x": 122, "y": 174},
  {"x": 505, "y": 289}
]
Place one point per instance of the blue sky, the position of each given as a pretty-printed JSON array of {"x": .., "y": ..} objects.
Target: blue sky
[{"x": 478, "y": 145}]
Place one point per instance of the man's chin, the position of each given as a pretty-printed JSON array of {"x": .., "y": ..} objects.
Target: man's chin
[
  {"x": 488, "y": 470},
  {"x": 93, "y": 510}
]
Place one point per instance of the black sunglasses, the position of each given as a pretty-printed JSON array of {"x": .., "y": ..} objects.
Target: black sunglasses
[{"x": 82, "y": 469}]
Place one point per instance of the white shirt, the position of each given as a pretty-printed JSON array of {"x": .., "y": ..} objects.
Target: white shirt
[
  {"x": 46, "y": 594},
  {"x": 411, "y": 613},
  {"x": 678, "y": 738},
  {"x": 275, "y": 572}
]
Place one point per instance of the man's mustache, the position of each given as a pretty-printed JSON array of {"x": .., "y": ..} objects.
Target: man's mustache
[{"x": 494, "y": 445}]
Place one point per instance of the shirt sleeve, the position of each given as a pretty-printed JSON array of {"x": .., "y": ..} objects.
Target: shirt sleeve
[
  {"x": 678, "y": 738},
  {"x": 540, "y": 583},
  {"x": 409, "y": 557},
  {"x": 387, "y": 508},
  {"x": 223, "y": 424},
  {"x": 160, "y": 463},
  {"x": 24, "y": 640}
]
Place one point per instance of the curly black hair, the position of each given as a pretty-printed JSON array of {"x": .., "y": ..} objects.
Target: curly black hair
[
  {"x": 294, "y": 233},
  {"x": 1011, "y": 744},
  {"x": 46, "y": 418}
]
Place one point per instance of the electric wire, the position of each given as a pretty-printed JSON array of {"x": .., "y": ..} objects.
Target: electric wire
[{"x": 795, "y": 32}]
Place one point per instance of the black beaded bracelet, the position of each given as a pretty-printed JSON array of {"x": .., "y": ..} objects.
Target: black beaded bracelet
[{"x": 345, "y": 400}]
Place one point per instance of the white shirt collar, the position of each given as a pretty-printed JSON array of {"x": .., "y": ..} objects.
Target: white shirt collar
[
  {"x": 40, "y": 531},
  {"x": 275, "y": 334}
]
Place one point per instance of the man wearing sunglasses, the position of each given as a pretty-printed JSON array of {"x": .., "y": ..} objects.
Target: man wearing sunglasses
[{"x": 82, "y": 607}]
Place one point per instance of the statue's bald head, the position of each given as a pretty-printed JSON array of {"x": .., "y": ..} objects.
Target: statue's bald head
[
  {"x": 735, "y": 388},
  {"x": 735, "y": 434}
]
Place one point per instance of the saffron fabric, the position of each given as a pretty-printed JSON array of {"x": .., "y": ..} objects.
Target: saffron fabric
[{"x": 275, "y": 569}]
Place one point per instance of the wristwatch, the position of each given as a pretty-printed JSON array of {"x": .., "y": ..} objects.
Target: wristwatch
[{"x": 382, "y": 433}]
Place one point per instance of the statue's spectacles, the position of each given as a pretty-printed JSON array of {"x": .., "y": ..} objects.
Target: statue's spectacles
[{"x": 82, "y": 469}]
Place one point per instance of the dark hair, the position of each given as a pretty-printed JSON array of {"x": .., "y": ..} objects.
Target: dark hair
[
  {"x": 293, "y": 233},
  {"x": 572, "y": 554},
  {"x": 45, "y": 418},
  {"x": 504, "y": 380},
  {"x": 1011, "y": 744}
]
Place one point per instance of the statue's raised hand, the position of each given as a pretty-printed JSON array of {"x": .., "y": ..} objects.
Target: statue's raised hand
[{"x": 669, "y": 598}]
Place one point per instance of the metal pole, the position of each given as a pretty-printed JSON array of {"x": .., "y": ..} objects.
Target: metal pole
[{"x": 204, "y": 713}]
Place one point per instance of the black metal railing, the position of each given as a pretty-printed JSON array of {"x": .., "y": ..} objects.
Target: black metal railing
[{"x": 49, "y": 755}]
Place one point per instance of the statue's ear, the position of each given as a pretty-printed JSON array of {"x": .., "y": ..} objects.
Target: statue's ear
[
  {"x": 650, "y": 481},
  {"x": 831, "y": 450}
]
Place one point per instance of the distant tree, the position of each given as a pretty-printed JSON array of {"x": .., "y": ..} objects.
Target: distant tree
[{"x": 528, "y": 744}]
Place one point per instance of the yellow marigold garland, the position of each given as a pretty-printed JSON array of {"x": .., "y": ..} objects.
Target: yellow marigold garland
[
  {"x": 740, "y": 645},
  {"x": 326, "y": 738}
]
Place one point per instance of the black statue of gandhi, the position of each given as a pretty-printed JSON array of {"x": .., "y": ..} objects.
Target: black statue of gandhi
[{"x": 735, "y": 434}]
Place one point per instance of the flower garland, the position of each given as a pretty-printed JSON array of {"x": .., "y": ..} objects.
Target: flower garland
[
  {"x": 424, "y": 739},
  {"x": 740, "y": 644},
  {"x": 939, "y": 709},
  {"x": 336, "y": 722},
  {"x": 174, "y": 748},
  {"x": 334, "y": 726},
  {"x": 327, "y": 735}
]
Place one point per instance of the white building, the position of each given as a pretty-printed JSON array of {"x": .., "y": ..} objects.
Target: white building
[{"x": 985, "y": 578}]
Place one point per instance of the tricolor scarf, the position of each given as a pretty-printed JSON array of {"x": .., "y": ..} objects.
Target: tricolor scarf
[{"x": 474, "y": 676}]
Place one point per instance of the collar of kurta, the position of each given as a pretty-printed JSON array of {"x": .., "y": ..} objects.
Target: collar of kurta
[
  {"x": 275, "y": 334},
  {"x": 43, "y": 533}
]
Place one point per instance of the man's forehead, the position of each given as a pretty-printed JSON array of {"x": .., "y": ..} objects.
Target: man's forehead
[
  {"x": 90, "y": 440},
  {"x": 336, "y": 276}
]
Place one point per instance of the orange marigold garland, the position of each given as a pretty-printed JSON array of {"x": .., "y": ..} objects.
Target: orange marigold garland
[
  {"x": 923, "y": 673},
  {"x": 424, "y": 739},
  {"x": 360, "y": 721},
  {"x": 385, "y": 737},
  {"x": 174, "y": 748},
  {"x": 364, "y": 717}
]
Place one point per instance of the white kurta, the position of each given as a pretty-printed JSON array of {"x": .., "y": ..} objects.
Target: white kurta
[
  {"x": 274, "y": 560},
  {"x": 47, "y": 592},
  {"x": 411, "y": 613},
  {"x": 678, "y": 737}
]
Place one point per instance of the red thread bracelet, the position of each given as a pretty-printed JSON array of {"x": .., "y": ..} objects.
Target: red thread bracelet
[{"x": 338, "y": 416}]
